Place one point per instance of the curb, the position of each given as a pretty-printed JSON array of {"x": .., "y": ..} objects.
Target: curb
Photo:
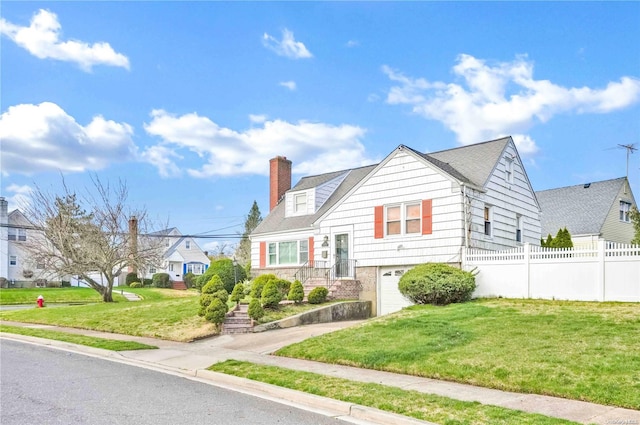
[{"x": 322, "y": 405}]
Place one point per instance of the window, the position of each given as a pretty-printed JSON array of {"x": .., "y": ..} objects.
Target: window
[
  {"x": 171, "y": 267},
  {"x": 40, "y": 266},
  {"x": 13, "y": 260},
  {"x": 518, "y": 228},
  {"x": 187, "y": 244},
  {"x": 194, "y": 268},
  {"x": 625, "y": 207},
  {"x": 152, "y": 270},
  {"x": 12, "y": 234},
  {"x": 403, "y": 219},
  {"x": 300, "y": 203},
  {"x": 289, "y": 252},
  {"x": 487, "y": 221},
  {"x": 22, "y": 234},
  {"x": 508, "y": 170}
]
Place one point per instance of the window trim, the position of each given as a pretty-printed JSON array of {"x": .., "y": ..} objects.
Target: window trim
[
  {"x": 273, "y": 252},
  {"x": 13, "y": 260},
  {"x": 488, "y": 221},
  {"x": 508, "y": 171},
  {"x": 403, "y": 219},
  {"x": 300, "y": 207},
  {"x": 625, "y": 208},
  {"x": 519, "y": 228}
]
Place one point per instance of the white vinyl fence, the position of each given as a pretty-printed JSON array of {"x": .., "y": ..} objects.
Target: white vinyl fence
[{"x": 604, "y": 272}]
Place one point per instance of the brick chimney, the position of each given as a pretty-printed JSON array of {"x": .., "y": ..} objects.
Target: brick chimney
[
  {"x": 279, "y": 179},
  {"x": 133, "y": 243}
]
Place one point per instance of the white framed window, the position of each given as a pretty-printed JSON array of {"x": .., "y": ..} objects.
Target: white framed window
[
  {"x": 171, "y": 267},
  {"x": 13, "y": 260},
  {"x": 187, "y": 244},
  {"x": 300, "y": 203},
  {"x": 288, "y": 252},
  {"x": 403, "y": 219},
  {"x": 16, "y": 234},
  {"x": 518, "y": 228},
  {"x": 152, "y": 270},
  {"x": 488, "y": 216},
  {"x": 508, "y": 172},
  {"x": 625, "y": 207}
]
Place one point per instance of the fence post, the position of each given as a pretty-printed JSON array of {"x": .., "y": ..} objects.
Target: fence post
[
  {"x": 527, "y": 266},
  {"x": 601, "y": 269}
]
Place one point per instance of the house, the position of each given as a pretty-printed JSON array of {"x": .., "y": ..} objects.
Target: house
[
  {"x": 361, "y": 229},
  {"x": 590, "y": 212},
  {"x": 182, "y": 255},
  {"x": 15, "y": 266}
]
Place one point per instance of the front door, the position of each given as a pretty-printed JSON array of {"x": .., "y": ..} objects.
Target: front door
[{"x": 342, "y": 255}]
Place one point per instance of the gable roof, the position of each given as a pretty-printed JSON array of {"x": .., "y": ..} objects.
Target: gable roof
[
  {"x": 467, "y": 164},
  {"x": 582, "y": 208}
]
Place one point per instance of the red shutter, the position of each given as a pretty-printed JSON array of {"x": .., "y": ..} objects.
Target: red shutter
[
  {"x": 311, "y": 253},
  {"x": 263, "y": 255},
  {"x": 378, "y": 220},
  {"x": 427, "y": 218}
]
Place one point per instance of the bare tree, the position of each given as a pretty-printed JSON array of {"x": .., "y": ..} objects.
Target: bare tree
[{"x": 88, "y": 236}]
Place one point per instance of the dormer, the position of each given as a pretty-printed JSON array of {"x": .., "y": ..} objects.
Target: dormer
[{"x": 308, "y": 201}]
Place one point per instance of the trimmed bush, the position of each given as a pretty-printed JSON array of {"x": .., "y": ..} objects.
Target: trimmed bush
[
  {"x": 66, "y": 284},
  {"x": 271, "y": 295},
  {"x": 216, "y": 311},
  {"x": 215, "y": 287},
  {"x": 229, "y": 274},
  {"x": 4, "y": 282},
  {"x": 238, "y": 293},
  {"x": 318, "y": 295},
  {"x": 258, "y": 283},
  {"x": 136, "y": 285},
  {"x": 296, "y": 292},
  {"x": 147, "y": 282},
  {"x": 131, "y": 277},
  {"x": 189, "y": 280},
  {"x": 437, "y": 284},
  {"x": 283, "y": 286},
  {"x": 255, "y": 309},
  {"x": 161, "y": 280}
]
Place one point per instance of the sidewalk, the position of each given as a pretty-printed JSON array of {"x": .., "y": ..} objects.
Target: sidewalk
[{"x": 193, "y": 358}]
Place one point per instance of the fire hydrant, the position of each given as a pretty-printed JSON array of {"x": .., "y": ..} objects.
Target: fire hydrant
[{"x": 40, "y": 301}]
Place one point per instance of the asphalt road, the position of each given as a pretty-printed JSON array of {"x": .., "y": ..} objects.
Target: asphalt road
[{"x": 41, "y": 385}]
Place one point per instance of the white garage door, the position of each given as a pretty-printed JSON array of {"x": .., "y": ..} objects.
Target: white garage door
[{"x": 390, "y": 299}]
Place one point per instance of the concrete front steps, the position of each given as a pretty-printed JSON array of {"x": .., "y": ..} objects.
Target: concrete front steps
[{"x": 238, "y": 321}]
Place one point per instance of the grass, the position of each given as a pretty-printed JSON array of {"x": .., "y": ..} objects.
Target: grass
[
  {"x": 164, "y": 314},
  {"x": 582, "y": 351},
  {"x": 428, "y": 407},
  {"x": 106, "y": 344},
  {"x": 15, "y": 296}
]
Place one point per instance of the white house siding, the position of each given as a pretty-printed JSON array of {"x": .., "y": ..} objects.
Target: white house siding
[
  {"x": 280, "y": 237},
  {"x": 289, "y": 202},
  {"x": 614, "y": 229},
  {"x": 507, "y": 201}
]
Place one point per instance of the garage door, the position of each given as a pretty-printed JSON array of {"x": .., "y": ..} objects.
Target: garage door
[{"x": 390, "y": 299}]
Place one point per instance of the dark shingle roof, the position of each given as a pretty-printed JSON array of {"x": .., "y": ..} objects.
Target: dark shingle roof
[
  {"x": 582, "y": 208},
  {"x": 468, "y": 164}
]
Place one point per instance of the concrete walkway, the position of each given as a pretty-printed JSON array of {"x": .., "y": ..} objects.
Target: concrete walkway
[{"x": 193, "y": 358}]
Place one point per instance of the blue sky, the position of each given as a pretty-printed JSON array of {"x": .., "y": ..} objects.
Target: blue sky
[{"x": 187, "y": 101}]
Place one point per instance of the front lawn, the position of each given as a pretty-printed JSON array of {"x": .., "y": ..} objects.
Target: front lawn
[
  {"x": 583, "y": 351},
  {"x": 14, "y": 296}
]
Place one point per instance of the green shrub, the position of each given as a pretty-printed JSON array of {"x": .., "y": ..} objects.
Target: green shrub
[
  {"x": 438, "y": 284},
  {"x": 131, "y": 277},
  {"x": 296, "y": 292},
  {"x": 216, "y": 311},
  {"x": 66, "y": 284},
  {"x": 216, "y": 287},
  {"x": 161, "y": 280},
  {"x": 238, "y": 293},
  {"x": 189, "y": 280},
  {"x": 283, "y": 286},
  {"x": 229, "y": 274},
  {"x": 135, "y": 285},
  {"x": 271, "y": 295},
  {"x": 318, "y": 295},
  {"x": 255, "y": 309},
  {"x": 4, "y": 282},
  {"x": 258, "y": 283},
  {"x": 147, "y": 282}
]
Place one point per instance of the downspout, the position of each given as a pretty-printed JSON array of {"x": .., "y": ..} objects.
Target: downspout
[{"x": 465, "y": 213}]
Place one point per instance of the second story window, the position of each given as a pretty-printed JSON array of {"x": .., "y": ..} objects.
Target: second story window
[
  {"x": 187, "y": 244},
  {"x": 508, "y": 170},
  {"x": 487, "y": 221},
  {"x": 625, "y": 207},
  {"x": 300, "y": 203}
]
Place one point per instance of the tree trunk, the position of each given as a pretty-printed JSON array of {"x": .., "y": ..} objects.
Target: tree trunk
[{"x": 107, "y": 295}]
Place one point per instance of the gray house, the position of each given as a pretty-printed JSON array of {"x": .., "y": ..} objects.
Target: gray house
[{"x": 591, "y": 212}]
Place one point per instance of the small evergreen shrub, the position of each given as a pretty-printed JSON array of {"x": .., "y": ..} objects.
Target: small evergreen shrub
[
  {"x": 437, "y": 284},
  {"x": 296, "y": 292},
  {"x": 131, "y": 277},
  {"x": 271, "y": 295},
  {"x": 161, "y": 280},
  {"x": 147, "y": 282},
  {"x": 66, "y": 284},
  {"x": 4, "y": 282},
  {"x": 189, "y": 280},
  {"x": 238, "y": 293},
  {"x": 135, "y": 285},
  {"x": 213, "y": 300},
  {"x": 283, "y": 286},
  {"x": 216, "y": 311},
  {"x": 318, "y": 295},
  {"x": 258, "y": 283},
  {"x": 229, "y": 273},
  {"x": 216, "y": 287},
  {"x": 256, "y": 312}
]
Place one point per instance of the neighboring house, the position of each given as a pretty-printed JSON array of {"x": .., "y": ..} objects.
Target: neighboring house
[
  {"x": 366, "y": 226},
  {"x": 590, "y": 212},
  {"x": 16, "y": 230},
  {"x": 182, "y": 255}
]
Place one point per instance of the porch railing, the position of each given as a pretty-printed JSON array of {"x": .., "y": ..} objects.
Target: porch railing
[
  {"x": 312, "y": 269},
  {"x": 341, "y": 269}
]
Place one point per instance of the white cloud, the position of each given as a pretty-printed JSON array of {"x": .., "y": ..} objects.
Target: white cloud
[
  {"x": 502, "y": 99},
  {"x": 20, "y": 197},
  {"x": 313, "y": 147},
  {"x": 291, "y": 85},
  {"x": 44, "y": 137},
  {"x": 163, "y": 159},
  {"x": 257, "y": 119},
  {"x": 287, "y": 47},
  {"x": 42, "y": 39}
]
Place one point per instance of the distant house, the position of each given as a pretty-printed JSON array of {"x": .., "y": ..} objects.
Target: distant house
[
  {"x": 363, "y": 228},
  {"x": 15, "y": 266},
  {"x": 591, "y": 212},
  {"x": 182, "y": 255}
]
